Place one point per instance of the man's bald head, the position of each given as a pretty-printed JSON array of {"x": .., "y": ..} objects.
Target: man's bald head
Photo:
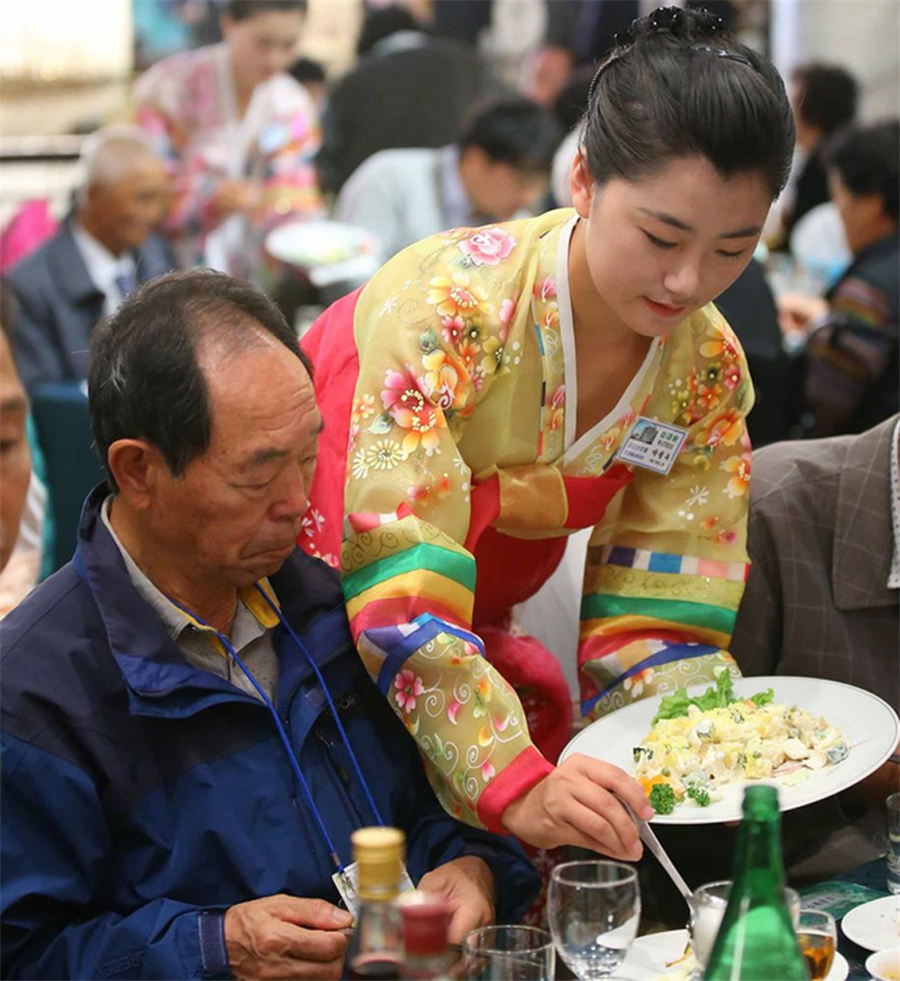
[{"x": 126, "y": 188}]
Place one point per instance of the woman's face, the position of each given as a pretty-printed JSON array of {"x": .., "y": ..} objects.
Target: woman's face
[
  {"x": 659, "y": 248},
  {"x": 262, "y": 44}
]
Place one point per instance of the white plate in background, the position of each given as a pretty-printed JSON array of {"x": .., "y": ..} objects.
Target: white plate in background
[{"x": 874, "y": 925}]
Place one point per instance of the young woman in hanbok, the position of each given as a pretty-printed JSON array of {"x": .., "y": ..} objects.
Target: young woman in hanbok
[
  {"x": 492, "y": 390},
  {"x": 240, "y": 135}
]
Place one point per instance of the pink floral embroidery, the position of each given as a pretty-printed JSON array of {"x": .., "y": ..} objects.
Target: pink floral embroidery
[
  {"x": 488, "y": 246},
  {"x": 732, "y": 376},
  {"x": 409, "y": 687},
  {"x": 507, "y": 312},
  {"x": 407, "y": 404},
  {"x": 452, "y": 329},
  {"x": 548, "y": 288},
  {"x": 487, "y": 771},
  {"x": 453, "y": 711}
]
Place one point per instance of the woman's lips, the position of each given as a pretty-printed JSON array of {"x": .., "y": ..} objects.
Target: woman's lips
[{"x": 663, "y": 309}]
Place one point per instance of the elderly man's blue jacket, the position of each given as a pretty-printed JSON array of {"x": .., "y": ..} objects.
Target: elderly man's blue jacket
[{"x": 141, "y": 796}]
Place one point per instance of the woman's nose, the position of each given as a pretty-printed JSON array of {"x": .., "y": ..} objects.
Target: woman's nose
[{"x": 682, "y": 281}]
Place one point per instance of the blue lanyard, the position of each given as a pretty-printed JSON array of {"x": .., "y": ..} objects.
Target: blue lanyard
[{"x": 292, "y": 756}]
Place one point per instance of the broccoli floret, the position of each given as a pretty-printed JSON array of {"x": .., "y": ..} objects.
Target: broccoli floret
[
  {"x": 662, "y": 798},
  {"x": 699, "y": 795}
]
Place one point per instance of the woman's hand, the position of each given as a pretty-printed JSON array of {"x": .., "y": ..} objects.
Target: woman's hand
[
  {"x": 576, "y": 805},
  {"x": 233, "y": 196}
]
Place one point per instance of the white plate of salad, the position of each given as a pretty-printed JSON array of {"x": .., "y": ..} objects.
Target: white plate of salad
[{"x": 810, "y": 737}]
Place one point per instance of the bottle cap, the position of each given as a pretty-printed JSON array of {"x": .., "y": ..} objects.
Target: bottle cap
[
  {"x": 425, "y": 922},
  {"x": 379, "y": 852}
]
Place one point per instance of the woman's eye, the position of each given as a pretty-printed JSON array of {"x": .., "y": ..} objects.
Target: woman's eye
[
  {"x": 730, "y": 255},
  {"x": 660, "y": 243}
]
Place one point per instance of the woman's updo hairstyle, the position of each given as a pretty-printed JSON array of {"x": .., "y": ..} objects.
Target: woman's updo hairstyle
[{"x": 677, "y": 85}]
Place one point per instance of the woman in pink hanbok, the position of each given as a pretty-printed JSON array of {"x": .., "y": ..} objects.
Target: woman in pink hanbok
[{"x": 239, "y": 133}]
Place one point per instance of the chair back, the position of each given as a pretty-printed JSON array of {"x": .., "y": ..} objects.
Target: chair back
[{"x": 60, "y": 412}]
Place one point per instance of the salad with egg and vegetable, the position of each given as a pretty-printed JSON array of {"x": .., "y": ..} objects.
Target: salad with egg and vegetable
[{"x": 700, "y": 744}]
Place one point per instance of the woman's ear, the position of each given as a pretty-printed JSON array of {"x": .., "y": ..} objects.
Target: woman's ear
[{"x": 582, "y": 185}]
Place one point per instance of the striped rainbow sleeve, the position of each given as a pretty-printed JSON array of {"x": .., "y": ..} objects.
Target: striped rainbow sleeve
[{"x": 409, "y": 594}]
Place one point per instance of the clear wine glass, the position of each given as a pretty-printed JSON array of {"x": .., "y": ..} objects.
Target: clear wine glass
[
  {"x": 594, "y": 908},
  {"x": 508, "y": 953}
]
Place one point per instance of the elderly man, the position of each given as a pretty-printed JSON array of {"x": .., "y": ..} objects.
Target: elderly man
[
  {"x": 15, "y": 457},
  {"x": 103, "y": 249},
  {"x": 189, "y": 744}
]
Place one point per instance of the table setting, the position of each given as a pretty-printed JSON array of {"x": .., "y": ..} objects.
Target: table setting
[{"x": 846, "y": 928}]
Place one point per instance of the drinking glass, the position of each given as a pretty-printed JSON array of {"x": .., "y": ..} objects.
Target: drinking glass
[
  {"x": 707, "y": 906},
  {"x": 817, "y": 936},
  {"x": 594, "y": 908},
  {"x": 508, "y": 953},
  {"x": 893, "y": 849}
]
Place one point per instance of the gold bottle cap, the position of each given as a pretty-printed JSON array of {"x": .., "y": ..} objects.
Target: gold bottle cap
[{"x": 380, "y": 854}]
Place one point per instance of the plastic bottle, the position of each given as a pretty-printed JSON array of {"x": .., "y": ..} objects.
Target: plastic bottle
[{"x": 756, "y": 941}]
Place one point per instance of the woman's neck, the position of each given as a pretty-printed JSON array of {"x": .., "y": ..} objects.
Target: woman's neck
[
  {"x": 594, "y": 323},
  {"x": 243, "y": 90}
]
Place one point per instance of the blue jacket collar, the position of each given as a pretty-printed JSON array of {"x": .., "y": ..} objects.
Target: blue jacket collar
[{"x": 160, "y": 679}]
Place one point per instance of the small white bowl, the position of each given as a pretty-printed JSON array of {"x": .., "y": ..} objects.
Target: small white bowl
[{"x": 885, "y": 964}]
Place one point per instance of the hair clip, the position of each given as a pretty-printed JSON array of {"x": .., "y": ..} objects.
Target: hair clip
[
  {"x": 666, "y": 18},
  {"x": 710, "y": 22},
  {"x": 721, "y": 53}
]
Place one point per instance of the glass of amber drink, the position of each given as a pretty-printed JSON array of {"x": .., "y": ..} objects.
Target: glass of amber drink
[{"x": 817, "y": 936}]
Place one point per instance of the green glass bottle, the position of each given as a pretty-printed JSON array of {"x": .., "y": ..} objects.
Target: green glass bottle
[{"x": 756, "y": 941}]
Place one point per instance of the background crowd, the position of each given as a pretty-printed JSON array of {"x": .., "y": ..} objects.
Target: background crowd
[{"x": 230, "y": 137}]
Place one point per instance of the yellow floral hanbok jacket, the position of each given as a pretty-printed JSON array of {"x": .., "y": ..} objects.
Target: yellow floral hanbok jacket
[{"x": 447, "y": 385}]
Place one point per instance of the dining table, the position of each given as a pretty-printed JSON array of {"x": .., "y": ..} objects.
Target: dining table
[{"x": 656, "y": 956}]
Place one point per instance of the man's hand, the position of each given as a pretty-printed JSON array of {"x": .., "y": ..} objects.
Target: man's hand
[
  {"x": 798, "y": 312},
  {"x": 285, "y": 937},
  {"x": 466, "y": 885},
  {"x": 576, "y": 805},
  {"x": 234, "y": 195}
]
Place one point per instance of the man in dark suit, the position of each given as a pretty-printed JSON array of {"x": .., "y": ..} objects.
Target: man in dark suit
[
  {"x": 104, "y": 248},
  {"x": 370, "y": 108}
]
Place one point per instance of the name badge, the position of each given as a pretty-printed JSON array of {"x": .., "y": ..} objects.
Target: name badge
[
  {"x": 347, "y": 883},
  {"x": 652, "y": 445}
]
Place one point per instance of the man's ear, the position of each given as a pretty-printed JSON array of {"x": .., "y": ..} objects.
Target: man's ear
[
  {"x": 582, "y": 185},
  {"x": 137, "y": 467}
]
